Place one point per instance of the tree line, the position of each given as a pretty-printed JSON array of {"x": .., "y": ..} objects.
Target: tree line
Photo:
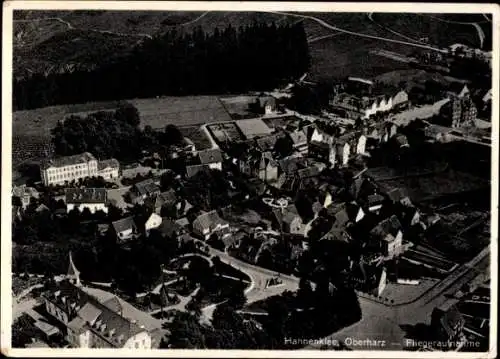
[{"x": 254, "y": 57}]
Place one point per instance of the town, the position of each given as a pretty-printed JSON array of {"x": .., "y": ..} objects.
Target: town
[{"x": 326, "y": 212}]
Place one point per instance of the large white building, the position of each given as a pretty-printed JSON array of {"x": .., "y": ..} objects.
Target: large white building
[{"x": 57, "y": 171}]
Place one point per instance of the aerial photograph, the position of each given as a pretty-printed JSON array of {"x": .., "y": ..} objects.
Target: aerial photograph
[{"x": 252, "y": 180}]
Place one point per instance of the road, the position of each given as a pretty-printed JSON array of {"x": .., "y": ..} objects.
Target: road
[
  {"x": 331, "y": 27},
  {"x": 386, "y": 323}
]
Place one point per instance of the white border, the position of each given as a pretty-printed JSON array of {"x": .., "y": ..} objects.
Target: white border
[{"x": 6, "y": 280}]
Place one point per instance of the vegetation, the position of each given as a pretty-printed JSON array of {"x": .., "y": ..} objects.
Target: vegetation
[{"x": 180, "y": 64}]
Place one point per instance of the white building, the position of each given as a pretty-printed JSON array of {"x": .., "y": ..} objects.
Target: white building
[
  {"x": 154, "y": 221},
  {"x": 57, "y": 171},
  {"x": 95, "y": 199}
]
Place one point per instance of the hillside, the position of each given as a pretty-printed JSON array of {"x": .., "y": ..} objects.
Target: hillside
[{"x": 62, "y": 41}]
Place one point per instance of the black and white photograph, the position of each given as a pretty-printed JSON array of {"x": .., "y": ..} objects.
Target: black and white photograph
[{"x": 298, "y": 178}]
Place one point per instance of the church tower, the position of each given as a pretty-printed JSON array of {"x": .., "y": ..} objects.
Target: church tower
[{"x": 73, "y": 273}]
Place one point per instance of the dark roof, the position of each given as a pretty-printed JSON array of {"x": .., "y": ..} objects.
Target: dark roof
[
  {"x": 113, "y": 163},
  {"x": 396, "y": 194},
  {"x": 291, "y": 164},
  {"x": 375, "y": 199},
  {"x": 192, "y": 170},
  {"x": 389, "y": 226},
  {"x": 266, "y": 143},
  {"x": 124, "y": 224},
  {"x": 320, "y": 144},
  {"x": 168, "y": 227},
  {"x": 206, "y": 220},
  {"x": 68, "y": 160},
  {"x": 146, "y": 187},
  {"x": 210, "y": 156},
  {"x": 86, "y": 195},
  {"x": 308, "y": 172},
  {"x": 86, "y": 312},
  {"x": 166, "y": 197},
  {"x": 298, "y": 138}
]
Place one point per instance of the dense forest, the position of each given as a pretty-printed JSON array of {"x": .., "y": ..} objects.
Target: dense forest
[{"x": 255, "y": 57}]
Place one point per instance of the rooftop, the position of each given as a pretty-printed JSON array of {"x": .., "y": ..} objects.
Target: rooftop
[
  {"x": 253, "y": 127},
  {"x": 111, "y": 163},
  {"x": 86, "y": 195},
  {"x": 68, "y": 160},
  {"x": 124, "y": 224},
  {"x": 210, "y": 156}
]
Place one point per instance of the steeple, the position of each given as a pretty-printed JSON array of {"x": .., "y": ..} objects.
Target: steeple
[{"x": 73, "y": 273}]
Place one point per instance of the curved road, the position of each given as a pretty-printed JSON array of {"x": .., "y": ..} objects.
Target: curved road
[
  {"x": 370, "y": 16},
  {"x": 331, "y": 27}
]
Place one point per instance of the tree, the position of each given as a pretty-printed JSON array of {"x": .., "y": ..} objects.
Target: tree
[
  {"x": 237, "y": 298},
  {"x": 129, "y": 114},
  {"x": 172, "y": 135},
  {"x": 283, "y": 146}
]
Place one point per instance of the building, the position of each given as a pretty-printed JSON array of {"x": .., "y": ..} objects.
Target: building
[
  {"x": 98, "y": 319},
  {"x": 108, "y": 169},
  {"x": 66, "y": 169},
  {"x": 367, "y": 106},
  {"x": 23, "y": 195},
  {"x": 154, "y": 221},
  {"x": 193, "y": 170},
  {"x": 125, "y": 229},
  {"x": 260, "y": 165},
  {"x": 323, "y": 152},
  {"x": 299, "y": 140},
  {"x": 140, "y": 191},
  {"x": 387, "y": 236},
  {"x": 253, "y": 127},
  {"x": 211, "y": 158},
  {"x": 463, "y": 111},
  {"x": 343, "y": 150},
  {"x": 289, "y": 220},
  {"x": 94, "y": 199},
  {"x": 266, "y": 105},
  {"x": 167, "y": 199},
  {"x": 209, "y": 223}
]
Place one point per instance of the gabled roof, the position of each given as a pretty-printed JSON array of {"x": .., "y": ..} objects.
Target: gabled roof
[
  {"x": 307, "y": 172},
  {"x": 86, "y": 195},
  {"x": 146, "y": 187},
  {"x": 291, "y": 164},
  {"x": 210, "y": 156},
  {"x": 168, "y": 227},
  {"x": 207, "y": 220},
  {"x": 192, "y": 170},
  {"x": 396, "y": 194},
  {"x": 266, "y": 143},
  {"x": 124, "y": 224},
  {"x": 375, "y": 199},
  {"x": 42, "y": 208},
  {"x": 298, "y": 138},
  {"x": 389, "y": 226}
]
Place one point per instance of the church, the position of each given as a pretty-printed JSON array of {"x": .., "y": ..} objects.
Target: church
[{"x": 94, "y": 318}]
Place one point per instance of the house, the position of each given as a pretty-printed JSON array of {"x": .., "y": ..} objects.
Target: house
[
  {"x": 289, "y": 220},
  {"x": 350, "y": 212},
  {"x": 108, "y": 169},
  {"x": 211, "y": 158},
  {"x": 208, "y": 223},
  {"x": 267, "y": 143},
  {"x": 42, "y": 208},
  {"x": 447, "y": 322},
  {"x": 125, "y": 229},
  {"x": 94, "y": 318},
  {"x": 143, "y": 190},
  {"x": 299, "y": 140},
  {"x": 343, "y": 150},
  {"x": 322, "y": 151},
  {"x": 154, "y": 221},
  {"x": 260, "y": 165},
  {"x": 461, "y": 112},
  {"x": 388, "y": 236},
  {"x": 24, "y": 195},
  {"x": 171, "y": 229},
  {"x": 374, "y": 202},
  {"x": 401, "y": 140},
  {"x": 94, "y": 199},
  {"x": 266, "y": 104},
  {"x": 193, "y": 170},
  {"x": 164, "y": 199}
]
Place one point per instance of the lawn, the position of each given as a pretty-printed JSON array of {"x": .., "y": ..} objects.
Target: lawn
[{"x": 219, "y": 289}]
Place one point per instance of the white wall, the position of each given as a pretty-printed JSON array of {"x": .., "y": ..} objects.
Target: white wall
[
  {"x": 141, "y": 340},
  {"x": 93, "y": 207}
]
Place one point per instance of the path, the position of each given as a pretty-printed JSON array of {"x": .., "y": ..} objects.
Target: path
[
  {"x": 181, "y": 306},
  {"x": 370, "y": 16},
  {"x": 331, "y": 27}
]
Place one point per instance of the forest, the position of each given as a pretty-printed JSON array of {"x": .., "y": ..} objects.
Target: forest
[{"x": 257, "y": 57}]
